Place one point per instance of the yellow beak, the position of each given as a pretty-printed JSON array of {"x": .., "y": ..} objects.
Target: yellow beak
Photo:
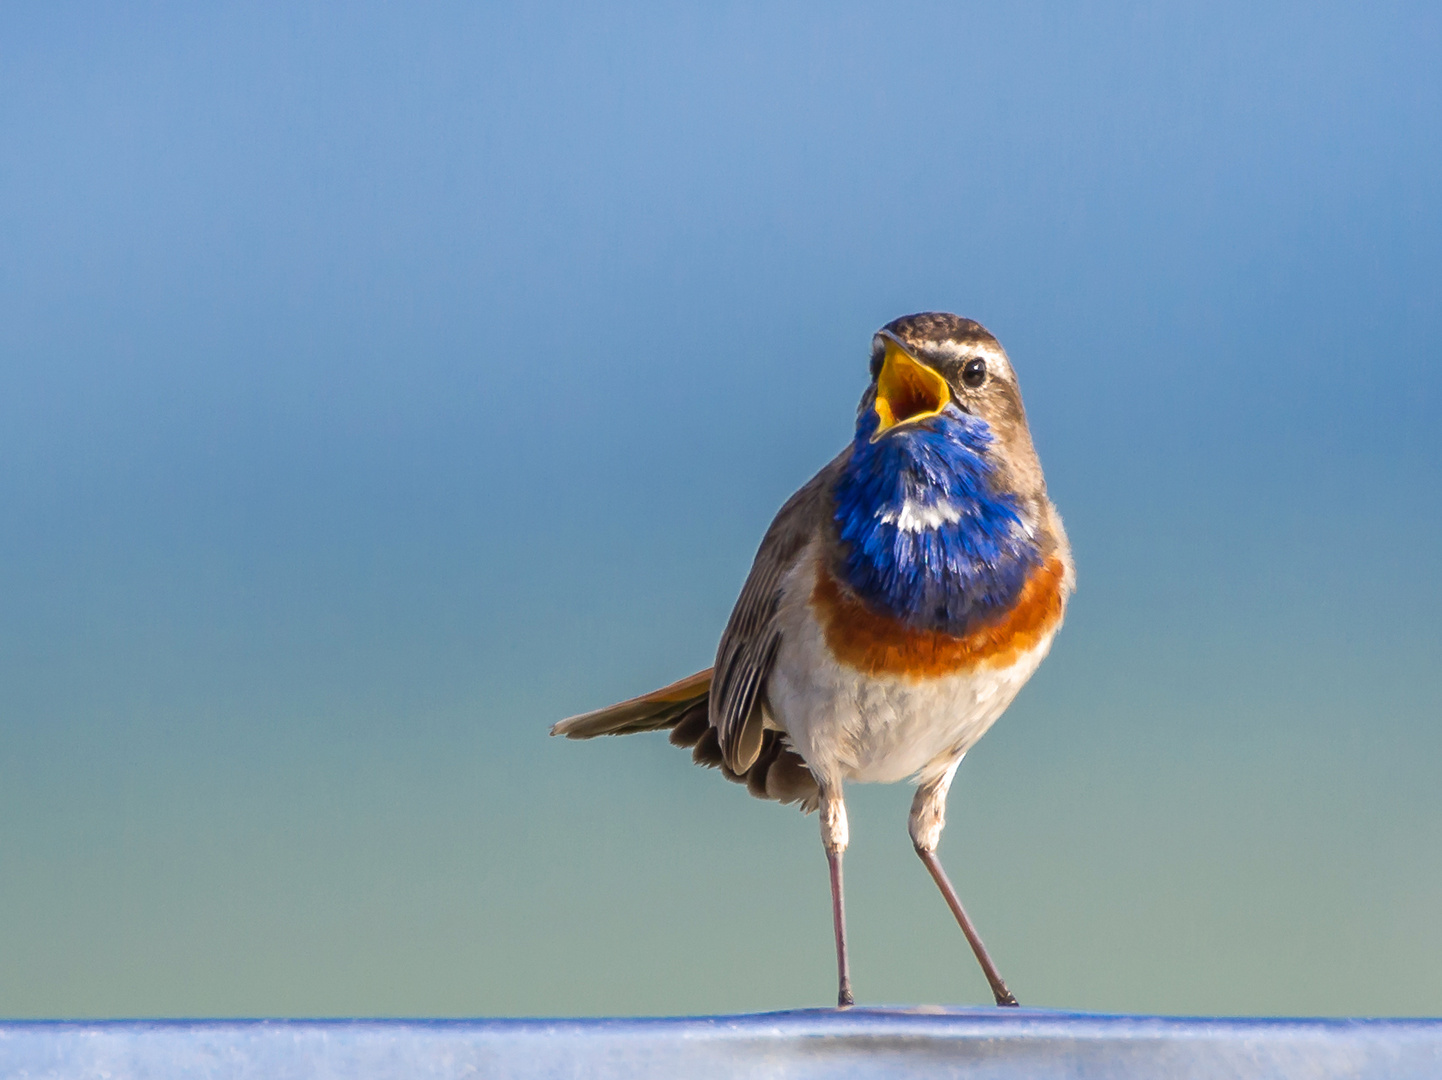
[{"x": 906, "y": 390}]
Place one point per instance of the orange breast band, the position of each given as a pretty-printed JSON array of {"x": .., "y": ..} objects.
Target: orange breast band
[{"x": 877, "y": 644}]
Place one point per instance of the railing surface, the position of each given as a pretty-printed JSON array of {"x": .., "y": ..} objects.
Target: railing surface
[{"x": 813, "y": 1043}]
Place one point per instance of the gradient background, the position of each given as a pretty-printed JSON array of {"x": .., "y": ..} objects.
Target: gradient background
[{"x": 380, "y": 383}]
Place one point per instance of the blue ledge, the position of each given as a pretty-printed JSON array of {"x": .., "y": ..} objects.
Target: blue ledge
[{"x": 814, "y": 1043}]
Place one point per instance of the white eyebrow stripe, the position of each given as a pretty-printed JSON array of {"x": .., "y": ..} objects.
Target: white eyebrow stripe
[{"x": 951, "y": 350}]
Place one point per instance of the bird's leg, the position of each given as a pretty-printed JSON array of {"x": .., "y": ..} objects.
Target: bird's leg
[
  {"x": 835, "y": 836},
  {"x": 928, "y": 818}
]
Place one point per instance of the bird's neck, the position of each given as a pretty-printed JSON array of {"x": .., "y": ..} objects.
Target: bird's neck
[{"x": 926, "y": 535}]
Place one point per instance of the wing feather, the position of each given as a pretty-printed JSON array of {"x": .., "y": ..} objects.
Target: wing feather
[
  {"x": 721, "y": 712},
  {"x": 748, "y": 647}
]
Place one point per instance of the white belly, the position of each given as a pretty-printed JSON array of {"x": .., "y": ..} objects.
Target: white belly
[{"x": 880, "y": 729}]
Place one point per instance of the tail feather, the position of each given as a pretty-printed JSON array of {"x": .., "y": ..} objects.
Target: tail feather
[
  {"x": 649, "y": 712},
  {"x": 692, "y": 725},
  {"x": 777, "y": 773},
  {"x": 707, "y": 752}
]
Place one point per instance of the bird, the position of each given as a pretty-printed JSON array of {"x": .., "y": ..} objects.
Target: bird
[{"x": 896, "y": 605}]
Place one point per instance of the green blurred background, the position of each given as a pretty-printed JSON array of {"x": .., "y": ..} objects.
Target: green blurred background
[{"x": 380, "y": 383}]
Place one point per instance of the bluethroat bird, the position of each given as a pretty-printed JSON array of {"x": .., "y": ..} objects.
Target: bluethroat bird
[{"x": 897, "y": 604}]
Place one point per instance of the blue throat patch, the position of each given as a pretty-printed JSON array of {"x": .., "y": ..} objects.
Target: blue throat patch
[{"x": 927, "y": 538}]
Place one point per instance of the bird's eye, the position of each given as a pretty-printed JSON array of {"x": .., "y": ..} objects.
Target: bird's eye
[{"x": 974, "y": 373}]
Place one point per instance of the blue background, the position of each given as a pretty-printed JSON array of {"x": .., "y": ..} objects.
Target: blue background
[{"x": 380, "y": 383}]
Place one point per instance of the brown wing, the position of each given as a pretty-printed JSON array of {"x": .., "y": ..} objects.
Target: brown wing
[
  {"x": 748, "y": 647},
  {"x": 720, "y": 712}
]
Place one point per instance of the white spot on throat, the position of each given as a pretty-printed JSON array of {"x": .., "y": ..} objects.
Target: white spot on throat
[{"x": 915, "y": 516}]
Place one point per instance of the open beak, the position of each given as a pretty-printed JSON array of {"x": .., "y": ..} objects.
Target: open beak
[{"x": 906, "y": 390}]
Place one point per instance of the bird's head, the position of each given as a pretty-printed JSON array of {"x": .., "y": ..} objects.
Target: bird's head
[{"x": 935, "y": 372}]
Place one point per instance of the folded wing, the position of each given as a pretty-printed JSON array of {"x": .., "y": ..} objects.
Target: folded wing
[
  {"x": 753, "y": 634},
  {"x": 721, "y": 713}
]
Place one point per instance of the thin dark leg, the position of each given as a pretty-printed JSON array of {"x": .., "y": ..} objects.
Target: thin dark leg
[
  {"x": 844, "y": 1000},
  {"x": 998, "y": 988}
]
